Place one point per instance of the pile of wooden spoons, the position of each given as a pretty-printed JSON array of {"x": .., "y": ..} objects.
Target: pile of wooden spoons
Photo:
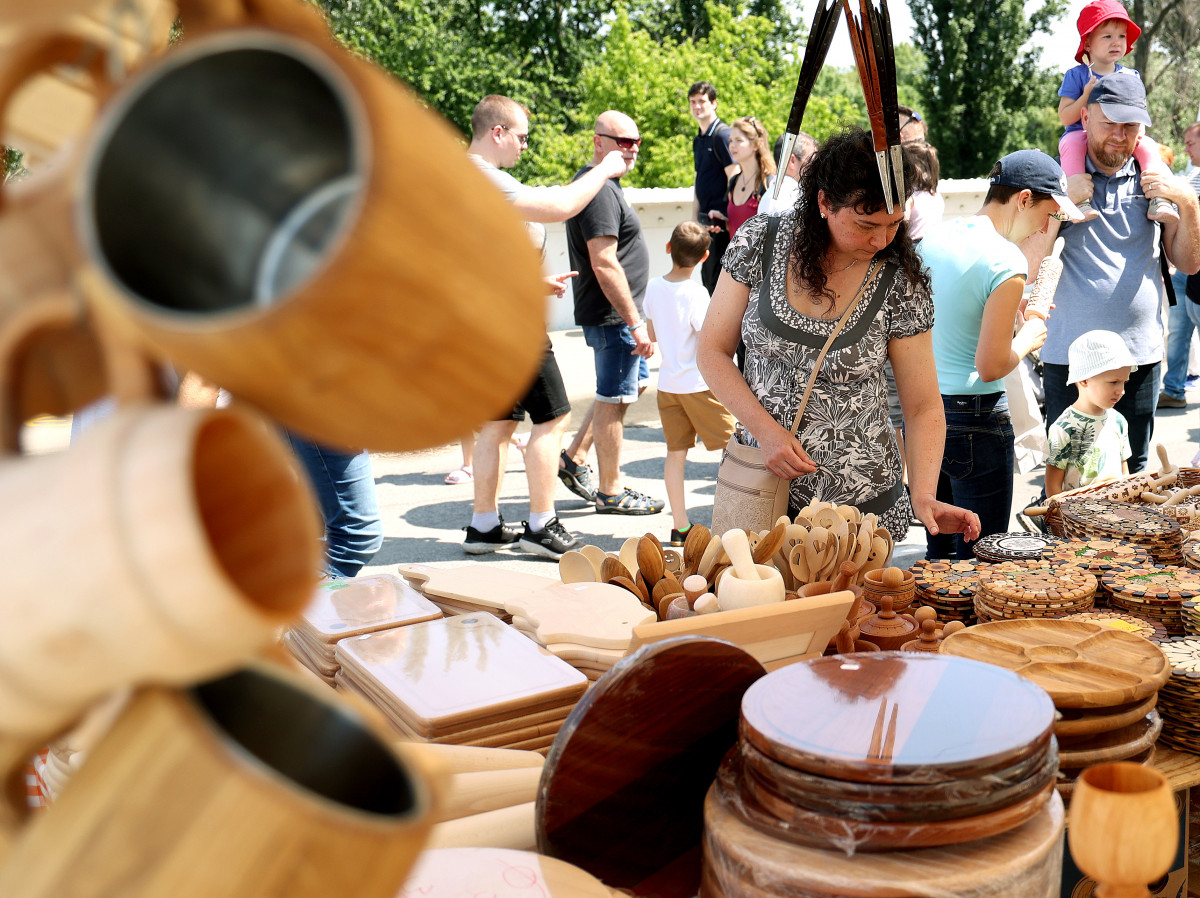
[
  {"x": 642, "y": 567},
  {"x": 822, "y": 536}
]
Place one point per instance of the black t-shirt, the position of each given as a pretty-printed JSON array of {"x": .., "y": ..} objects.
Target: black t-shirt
[
  {"x": 607, "y": 215},
  {"x": 710, "y": 153}
]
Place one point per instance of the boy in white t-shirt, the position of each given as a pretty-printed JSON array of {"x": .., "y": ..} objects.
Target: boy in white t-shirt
[
  {"x": 1090, "y": 440},
  {"x": 675, "y": 307}
]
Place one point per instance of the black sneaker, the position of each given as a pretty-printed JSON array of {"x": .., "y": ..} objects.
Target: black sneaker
[
  {"x": 679, "y": 537},
  {"x": 552, "y": 541},
  {"x": 577, "y": 478},
  {"x": 498, "y": 537},
  {"x": 628, "y": 502}
]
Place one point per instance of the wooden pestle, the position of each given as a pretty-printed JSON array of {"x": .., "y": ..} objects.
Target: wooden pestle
[
  {"x": 737, "y": 547},
  {"x": 845, "y": 576},
  {"x": 694, "y": 587}
]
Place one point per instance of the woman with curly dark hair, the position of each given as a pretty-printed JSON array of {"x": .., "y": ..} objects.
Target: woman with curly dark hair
[{"x": 783, "y": 290}]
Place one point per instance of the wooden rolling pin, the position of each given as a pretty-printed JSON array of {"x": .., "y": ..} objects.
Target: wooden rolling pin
[
  {"x": 510, "y": 827},
  {"x": 488, "y": 790},
  {"x": 471, "y": 759}
]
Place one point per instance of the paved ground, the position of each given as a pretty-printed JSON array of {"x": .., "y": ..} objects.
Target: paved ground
[{"x": 423, "y": 517}]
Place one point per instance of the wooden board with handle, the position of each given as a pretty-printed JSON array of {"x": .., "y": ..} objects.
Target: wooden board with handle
[
  {"x": 590, "y": 614},
  {"x": 771, "y": 634},
  {"x": 478, "y": 585}
]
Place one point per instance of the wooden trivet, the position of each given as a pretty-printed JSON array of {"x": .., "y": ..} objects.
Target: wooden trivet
[
  {"x": 1138, "y": 626},
  {"x": 1080, "y": 664},
  {"x": 948, "y": 587},
  {"x": 1036, "y": 583},
  {"x": 1098, "y": 555},
  {"x": 1179, "y": 698},
  {"x": 1154, "y": 591},
  {"x": 1017, "y": 546},
  {"x": 1087, "y": 518},
  {"x": 1191, "y": 553},
  {"x": 1074, "y": 724},
  {"x": 892, "y": 717}
]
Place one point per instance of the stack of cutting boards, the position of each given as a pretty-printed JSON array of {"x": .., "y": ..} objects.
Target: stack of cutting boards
[
  {"x": 588, "y": 625},
  {"x": 345, "y": 608},
  {"x": 1103, "y": 681},
  {"x": 1032, "y": 588},
  {"x": 463, "y": 680},
  {"x": 880, "y": 756}
]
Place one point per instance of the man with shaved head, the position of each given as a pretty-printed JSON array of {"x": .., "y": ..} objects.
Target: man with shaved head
[{"x": 606, "y": 247}]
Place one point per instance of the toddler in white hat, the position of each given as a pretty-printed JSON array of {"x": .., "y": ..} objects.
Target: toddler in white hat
[{"x": 1090, "y": 440}]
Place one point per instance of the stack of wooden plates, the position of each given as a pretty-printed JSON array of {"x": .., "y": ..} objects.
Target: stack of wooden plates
[
  {"x": 344, "y": 608},
  {"x": 1019, "y": 546},
  {"x": 1146, "y": 629},
  {"x": 1191, "y": 553},
  {"x": 886, "y": 751},
  {"x": 1035, "y": 588},
  {"x": 1086, "y": 518},
  {"x": 464, "y": 680},
  {"x": 1179, "y": 698},
  {"x": 948, "y": 587},
  {"x": 1104, "y": 682},
  {"x": 1155, "y": 592}
]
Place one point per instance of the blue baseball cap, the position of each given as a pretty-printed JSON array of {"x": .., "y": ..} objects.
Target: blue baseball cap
[
  {"x": 1122, "y": 97},
  {"x": 1034, "y": 170}
]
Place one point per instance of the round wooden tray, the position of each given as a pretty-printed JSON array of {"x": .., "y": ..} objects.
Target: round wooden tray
[
  {"x": 1017, "y": 546},
  {"x": 1081, "y": 665},
  {"x": 1098, "y": 555},
  {"x": 1079, "y": 723},
  {"x": 896, "y": 717},
  {"x": 741, "y": 862},
  {"x": 894, "y": 803},
  {"x": 1116, "y": 745},
  {"x": 1152, "y": 630},
  {"x": 795, "y": 824}
]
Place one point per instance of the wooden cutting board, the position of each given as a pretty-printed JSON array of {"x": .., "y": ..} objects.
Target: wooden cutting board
[
  {"x": 342, "y": 608},
  {"x": 1081, "y": 665},
  {"x": 896, "y": 717},
  {"x": 592, "y": 614},
  {"x": 1079, "y": 723},
  {"x": 498, "y": 873},
  {"x": 479, "y": 585},
  {"x": 741, "y": 861},
  {"x": 623, "y": 787},
  {"x": 460, "y": 669},
  {"x": 781, "y": 632}
]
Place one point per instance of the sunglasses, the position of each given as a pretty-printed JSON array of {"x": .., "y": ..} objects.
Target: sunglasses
[
  {"x": 625, "y": 143},
  {"x": 522, "y": 139}
]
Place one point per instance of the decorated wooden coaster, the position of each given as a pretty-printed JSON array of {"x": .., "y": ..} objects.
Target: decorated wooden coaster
[
  {"x": 948, "y": 587},
  {"x": 1098, "y": 555},
  {"x": 1035, "y": 588},
  {"x": 1179, "y": 698},
  {"x": 1138, "y": 626},
  {"x": 1017, "y": 546},
  {"x": 1088, "y": 518},
  {"x": 1155, "y": 591},
  {"x": 1080, "y": 664}
]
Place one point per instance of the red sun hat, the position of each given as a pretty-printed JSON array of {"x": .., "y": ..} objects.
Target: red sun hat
[{"x": 1096, "y": 14}]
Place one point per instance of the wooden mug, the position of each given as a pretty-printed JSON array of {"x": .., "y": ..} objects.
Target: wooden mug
[
  {"x": 252, "y": 785},
  {"x": 167, "y": 545},
  {"x": 268, "y": 210}
]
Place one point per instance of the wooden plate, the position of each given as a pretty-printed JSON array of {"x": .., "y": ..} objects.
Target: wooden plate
[
  {"x": 795, "y": 824},
  {"x": 1028, "y": 860},
  {"x": 1079, "y": 723},
  {"x": 896, "y": 717},
  {"x": 1080, "y": 665},
  {"x": 894, "y": 803},
  {"x": 1115, "y": 745},
  {"x": 623, "y": 788}
]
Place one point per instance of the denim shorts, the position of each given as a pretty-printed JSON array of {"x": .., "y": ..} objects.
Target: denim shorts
[{"x": 619, "y": 372}]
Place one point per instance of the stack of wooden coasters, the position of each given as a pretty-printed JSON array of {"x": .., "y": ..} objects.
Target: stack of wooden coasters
[
  {"x": 1018, "y": 546},
  {"x": 1086, "y": 518},
  {"x": 1152, "y": 630},
  {"x": 1179, "y": 698},
  {"x": 1155, "y": 592},
  {"x": 1191, "y": 553},
  {"x": 948, "y": 587},
  {"x": 1032, "y": 589},
  {"x": 465, "y": 680},
  {"x": 1099, "y": 556},
  {"x": 344, "y": 608},
  {"x": 1104, "y": 682}
]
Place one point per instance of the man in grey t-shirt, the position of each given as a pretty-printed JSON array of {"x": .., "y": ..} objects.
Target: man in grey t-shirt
[{"x": 1111, "y": 269}]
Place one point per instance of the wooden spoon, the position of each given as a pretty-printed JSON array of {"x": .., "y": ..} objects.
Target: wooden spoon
[
  {"x": 878, "y": 557},
  {"x": 611, "y": 569},
  {"x": 814, "y": 553},
  {"x": 626, "y": 583},
  {"x": 693, "y": 547},
  {"x": 595, "y": 555},
  {"x": 628, "y": 555},
  {"x": 712, "y": 552},
  {"x": 672, "y": 581},
  {"x": 798, "y": 564},
  {"x": 770, "y": 544},
  {"x": 650, "y": 559},
  {"x": 672, "y": 561},
  {"x": 828, "y": 518},
  {"x": 575, "y": 567},
  {"x": 803, "y": 520},
  {"x": 850, "y": 514}
]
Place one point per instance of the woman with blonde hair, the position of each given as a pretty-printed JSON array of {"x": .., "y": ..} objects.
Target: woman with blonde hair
[{"x": 750, "y": 148}]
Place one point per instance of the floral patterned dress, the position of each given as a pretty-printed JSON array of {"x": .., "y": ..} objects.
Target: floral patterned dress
[{"x": 845, "y": 429}]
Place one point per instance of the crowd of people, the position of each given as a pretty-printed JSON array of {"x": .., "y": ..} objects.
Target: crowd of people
[{"x": 901, "y": 326}]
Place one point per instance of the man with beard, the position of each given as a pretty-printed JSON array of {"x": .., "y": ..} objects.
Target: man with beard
[{"x": 1112, "y": 273}]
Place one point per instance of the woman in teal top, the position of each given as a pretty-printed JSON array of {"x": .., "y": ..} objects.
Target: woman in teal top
[{"x": 978, "y": 275}]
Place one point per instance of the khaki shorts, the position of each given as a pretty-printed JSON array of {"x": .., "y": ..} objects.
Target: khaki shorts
[{"x": 686, "y": 415}]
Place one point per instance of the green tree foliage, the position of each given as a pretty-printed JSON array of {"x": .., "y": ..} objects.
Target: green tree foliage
[
  {"x": 1170, "y": 66},
  {"x": 982, "y": 92}
]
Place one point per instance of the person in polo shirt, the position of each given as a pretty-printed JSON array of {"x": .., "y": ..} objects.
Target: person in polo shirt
[
  {"x": 978, "y": 273},
  {"x": 1112, "y": 274}
]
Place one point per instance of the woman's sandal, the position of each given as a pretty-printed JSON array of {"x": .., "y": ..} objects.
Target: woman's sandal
[{"x": 462, "y": 475}]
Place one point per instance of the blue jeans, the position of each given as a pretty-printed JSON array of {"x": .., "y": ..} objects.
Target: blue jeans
[
  {"x": 977, "y": 468},
  {"x": 345, "y": 490},
  {"x": 1137, "y": 405},
  {"x": 1184, "y": 318},
  {"x": 618, "y": 371}
]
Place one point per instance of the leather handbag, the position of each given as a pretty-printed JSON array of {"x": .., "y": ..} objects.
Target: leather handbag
[{"x": 748, "y": 496}]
